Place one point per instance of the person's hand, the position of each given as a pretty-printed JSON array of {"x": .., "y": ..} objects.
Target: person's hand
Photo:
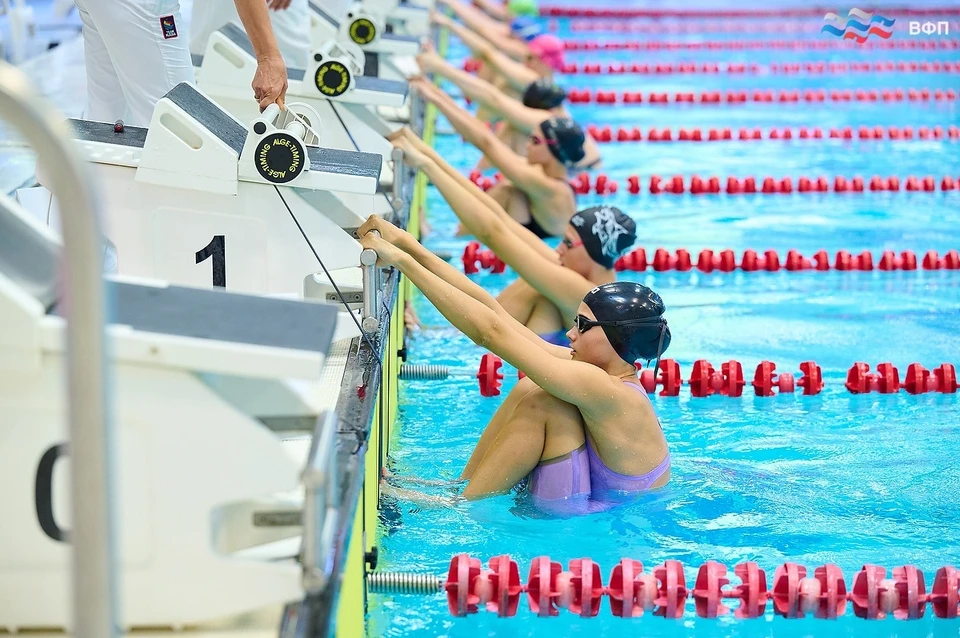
[
  {"x": 387, "y": 253},
  {"x": 412, "y": 156},
  {"x": 270, "y": 81},
  {"x": 389, "y": 232},
  {"x": 428, "y": 61},
  {"x": 440, "y": 19},
  {"x": 278, "y": 5}
]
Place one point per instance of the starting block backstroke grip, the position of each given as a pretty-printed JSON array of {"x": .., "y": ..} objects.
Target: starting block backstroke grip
[
  {"x": 205, "y": 486},
  {"x": 333, "y": 86},
  {"x": 200, "y": 199}
]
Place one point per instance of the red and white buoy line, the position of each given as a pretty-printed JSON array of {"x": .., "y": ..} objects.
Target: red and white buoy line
[
  {"x": 739, "y": 68},
  {"x": 919, "y": 44},
  {"x": 587, "y": 96},
  {"x": 809, "y": 12},
  {"x": 605, "y": 134},
  {"x": 727, "y": 380},
  {"x": 663, "y": 591},
  {"x": 801, "y": 26}
]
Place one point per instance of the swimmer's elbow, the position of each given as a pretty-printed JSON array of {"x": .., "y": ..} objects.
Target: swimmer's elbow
[{"x": 492, "y": 333}]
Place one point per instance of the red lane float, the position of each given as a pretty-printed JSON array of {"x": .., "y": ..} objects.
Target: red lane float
[
  {"x": 768, "y": 96},
  {"x": 663, "y": 591},
  {"x": 687, "y": 27},
  {"x": 726, "y": 261},
  {"x": 605, "y": 134},
  {"x": 474, "y": 258},
  {"x": 676, "y": 185},
  {"x": 886, "y": 380},
  {"x": 637, "y": 12},
  {"x": 922, "y": 44},
  {"x": 728, "y": 380},
  {"x": 792, "y": 68}
]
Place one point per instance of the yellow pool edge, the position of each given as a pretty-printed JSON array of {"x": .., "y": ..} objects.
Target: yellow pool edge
[{"x": 352, "y": 603}]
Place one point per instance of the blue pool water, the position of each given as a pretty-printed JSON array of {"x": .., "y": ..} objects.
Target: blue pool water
[{"x": 834, "y": 478}]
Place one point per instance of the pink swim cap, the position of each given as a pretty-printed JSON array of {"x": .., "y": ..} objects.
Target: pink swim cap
[{"x": 548, "y": 48}]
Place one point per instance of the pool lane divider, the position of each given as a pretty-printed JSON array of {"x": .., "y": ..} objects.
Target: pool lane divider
[
  {"x": 912, "y": 44},
  {"x": 904, "y": 10},
  {"x": 761, "y": 96},
  {"x": 712, "y": 68},
  {"x": 794, "y": 592},
  {"x": 605, "y": 134},
  {"x": 726, "y": 380},
  {"x": 678, "y": 185},
  {"x": 780, "y": 27}
]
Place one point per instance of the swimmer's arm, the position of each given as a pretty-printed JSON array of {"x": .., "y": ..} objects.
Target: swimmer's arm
[
  {"x": 518, "y": 75},
  {"x": 427, "y": 260},
  {"x": 582, "y": 384},
  {"x": 515, "y": 168},
  {"x": 521, "y": 117},
  {"x": 488, "y": 221},
  {"x": 494, "y": 31},
  {"x": 495, "y": 10}
]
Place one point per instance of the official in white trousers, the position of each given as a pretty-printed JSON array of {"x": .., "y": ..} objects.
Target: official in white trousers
[
  {"x": 290, "y": 20},
  {"x": 135, "y": 53}
]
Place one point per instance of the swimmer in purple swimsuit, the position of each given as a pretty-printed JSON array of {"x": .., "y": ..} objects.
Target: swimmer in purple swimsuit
[
  {"x": 552, "y": 282},
  {"x": 578, "y": 416}
]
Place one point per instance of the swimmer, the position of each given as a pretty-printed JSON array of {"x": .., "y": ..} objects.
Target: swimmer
[
  {"x": 498, "y": 30},
  {"x": 510, "y": 76},
  {"x": 552, "y": 283},
  {"x": 536, "y": 192},
  {"x": 541, "y": 100},
  {"x": 579, "y": 423}
]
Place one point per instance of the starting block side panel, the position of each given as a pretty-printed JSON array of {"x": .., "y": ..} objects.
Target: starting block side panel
[
  {"x": 171, "y": 574},
  {"x": 392, "y": 87},
  {"x": 208, "y": 114},
  {"x": 352, "y": 163}
]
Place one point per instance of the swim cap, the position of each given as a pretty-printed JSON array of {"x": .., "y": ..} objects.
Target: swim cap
[
  {"x": 633, "y": 316},
  {"x": 523, "y": 8},
  {"x": 549, "y": 49},
  {"x": 525, "y": 28},
  {"x": 543, "y": 94},
  {"x": 564, "y": 138},
  {"x": 605, "y": 231}
]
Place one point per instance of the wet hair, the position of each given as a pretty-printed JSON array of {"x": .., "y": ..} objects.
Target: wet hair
[
  {"x": 606, "y": 231},
  {"x": 543, "y": 94},
  {"x": 632, "y": 317},
  {"x": 564, "y": 138}
]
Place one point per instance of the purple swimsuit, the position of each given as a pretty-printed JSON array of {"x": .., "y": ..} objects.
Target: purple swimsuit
[{"x": 582, "y": 473}]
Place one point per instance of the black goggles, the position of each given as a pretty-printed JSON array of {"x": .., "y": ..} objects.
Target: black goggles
[{"x": 582, "y": 324}]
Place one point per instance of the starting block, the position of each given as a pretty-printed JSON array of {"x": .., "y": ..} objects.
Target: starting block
[
  {"x": 385, "y": 52},
  {"x": 200, "y": 199},
  {"x": 333, "y": 86},
  {"x": 187, "y": 467}
]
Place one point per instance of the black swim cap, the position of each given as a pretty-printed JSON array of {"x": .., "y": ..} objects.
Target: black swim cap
[
  {"x": 543, "y": 94},
  {"x": 605, "y": 231},
  {"x": 564, "y": 139},
  {"x": 637, "y": 329}
]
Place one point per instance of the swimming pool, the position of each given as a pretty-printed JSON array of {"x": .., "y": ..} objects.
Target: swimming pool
[{"x": 833, "y": 478}]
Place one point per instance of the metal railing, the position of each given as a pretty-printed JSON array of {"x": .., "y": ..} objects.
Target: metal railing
[{"x": 95, "y": 552}]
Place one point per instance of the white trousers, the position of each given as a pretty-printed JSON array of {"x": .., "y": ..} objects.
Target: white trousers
[
  {"x": 291, "y": 27},
  {"x": 134, "y": 53}
]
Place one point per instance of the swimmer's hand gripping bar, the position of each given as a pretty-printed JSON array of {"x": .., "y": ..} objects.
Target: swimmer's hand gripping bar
[{"x": 370, "y": 321}]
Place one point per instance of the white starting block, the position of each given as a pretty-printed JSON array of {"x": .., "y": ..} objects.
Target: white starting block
[
  {"x": 387, "y": 54},
  {"x": 333, "y": 86},
  {"x": 200, "y": 199},
  {"x": 201, "y": 483}
]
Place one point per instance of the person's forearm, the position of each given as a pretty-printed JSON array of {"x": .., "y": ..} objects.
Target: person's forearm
[
  {"x": 495, "y": 10},
  {"x": 465, "y": 124},
  {"x": 478, "y": 20},
  {"x": 515, "y": 73},
  {"x": 448, "y": 273},
  {"x": 256, "y": 22},
  {"x": 476, "y": 217},
  {"x": 471, "y": 317},
  {"x": 480, "y": 46},
  {"x": 474, "y": 88}
]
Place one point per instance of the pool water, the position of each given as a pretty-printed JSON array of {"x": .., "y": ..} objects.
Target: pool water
[{"x": 834, "y": 478}]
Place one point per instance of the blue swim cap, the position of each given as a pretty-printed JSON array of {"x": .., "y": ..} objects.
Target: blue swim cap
[
  {"x": 525, "y": 28},
  {"x": 631, "y": 317}
]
